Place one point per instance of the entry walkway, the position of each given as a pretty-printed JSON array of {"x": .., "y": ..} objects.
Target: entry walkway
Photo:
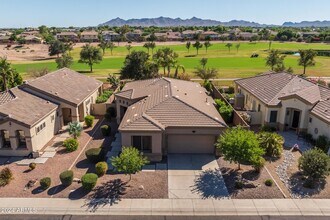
[
  {"x": 169, "y": 207},
  {"x": 195, "y": 176},
  {"x": 291, "y": 139}
]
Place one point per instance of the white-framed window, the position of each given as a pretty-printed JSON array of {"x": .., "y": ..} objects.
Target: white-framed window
[{"x": 40, "y": 127}]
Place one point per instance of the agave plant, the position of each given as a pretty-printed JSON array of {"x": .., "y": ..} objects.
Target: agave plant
[{"x": 75, "y": 129}]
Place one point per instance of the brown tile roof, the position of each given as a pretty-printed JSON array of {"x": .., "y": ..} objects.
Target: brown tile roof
[
  {"x": 322, "y": 109},
  {"x": 84, "y": 33},
  {"x": 165, "y": 102},
  {"x": 26, "y": 108},
  {"x": 66, "y": 85},
  {"x": 6, "y": 96}
]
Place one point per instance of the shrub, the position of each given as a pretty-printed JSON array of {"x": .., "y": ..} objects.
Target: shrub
[
  {"x": 106, "y": 130},
  {"x": 45, "y": 183},
  {"x": 75, "y": 129},
  {"x": 71, "y": 144},
  {"x": 258, "y": 163},
  {"x": 101, "y": 168},
  {"x": 322, "y": 143},
  {"x": 104, "y": 96},
  {"x": 89, "y": 120},
  {"x": 231, "y": 90},
  {"x": 314, "y": 164},
  {"x": 89, "y": 181},
  {"x": 95, "y": 155},
  {"x": 226, "y": 111},
  {"x": 207, "y": 85},
  {"x": 267, "y": 128},
  {"x": 129, "y": 161},
  {"x": 32, "y": 166},
  {"x": 272, "y": 143},
  {"x": 239, "y": 184},
  {"x": 269, "y": 182},
  {"x": 66, "y": 177},
  {"x": 5, "y": 176}
]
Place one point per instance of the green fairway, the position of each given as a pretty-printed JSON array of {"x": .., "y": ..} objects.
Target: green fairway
[{"x": 231, "y": 64}]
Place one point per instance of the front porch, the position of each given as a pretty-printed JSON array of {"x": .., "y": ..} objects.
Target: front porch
[{"x": 292, "y": 139}]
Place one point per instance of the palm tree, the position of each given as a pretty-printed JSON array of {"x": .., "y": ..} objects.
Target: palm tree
[
  {"x": 188, "y": 45},
  {"x": 166, "y": 58},
  {"x": 129, "y": 47},
  {"x": 103, "y": 45},
  {"x": 274, "y": 58},
  {"x": 177, "y": 67},
  {"x": 206, "y": 73},
  {"x": 152, "y": 46},
  {"x": 229, "y": 45},
  {"x": 207, "y": 44},
  {"x": 203, "y": 62},
  {"x": 307, "y": 58},
  {"x": 237, "y": 47},
  {"x": 75, "y": 129},
  {"x": 111, "y": 47},
  {"x": 198, "y": 45},
  {"x": 147, "y": 45}
]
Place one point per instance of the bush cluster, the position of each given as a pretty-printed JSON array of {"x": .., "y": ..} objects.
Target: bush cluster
[
  {"x": 95, "y": 155},
  {"x": 89, "y": 181},
  {"x": 89, "y": 120},
  {"x": 226, "y": 111},
  {"x": 267, "y": 128},
  {"x": 71, "y": 144},
  {"x": 272, "y": 143},
  {"x": 104, "y": 97},
  {"x": 269, "y": 182},
  {"x": 101, "y": 168},
  {"x": 322, "y": 143},
  {"x": 5, "y": 176},
  {"x": 66, "y": 177},
  {"x": 106, "y": 130},
  {"x": 45, "y": 183},
  {"x": 32, "y": 166}
]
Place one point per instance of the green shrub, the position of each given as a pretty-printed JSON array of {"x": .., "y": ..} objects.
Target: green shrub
[
  {"x": 89, "y": 120},
  {"x": 258, "y": 163},
  {"x": 75, "y": 129},
  {"x": 32, "y": 166},
  {"x": 66, "y": 177},
  {"x": 269, "y": 182},
  {"x": 5, "y": 176},
  {"x": 89, "y": 181},
  {"x": 45, "y": 183},
  {"x": 314, "y": 164},
  {"x": 104, "y": 96},
  {"x": 95, "y": 155},
  {"x": 106, "y": 130},
  {"x": 239, "y": 184},
  {"x": 71, "y": 144},
  {"x": 322, "y": 143},
  {"x": 101, "y": 168},
  {"x": 267, "y": 128},
  {"x": 231, "y": 90},
  {"x": 207, "y": 85},
  {"x": 272, "y": 143},
  {"x": 225, "y": 110}
]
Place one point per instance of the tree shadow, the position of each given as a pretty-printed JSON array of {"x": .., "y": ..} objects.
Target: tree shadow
[
  {"x": 298, "y": 189},
  {"x": 83, "y": 164},
  {"x": 108, "y": 193},
  {"x": 78, "y": 193},
  {"x": 37, "y": 190},
  {"x": 56, "y": 189},
  {"x": 251, "y": 175},
  {"x": 210, "y": 184}
]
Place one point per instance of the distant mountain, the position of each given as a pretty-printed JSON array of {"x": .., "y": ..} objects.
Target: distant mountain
[
  {"x": 307, "y": 24},
  {"x": 172, "y": 22}
]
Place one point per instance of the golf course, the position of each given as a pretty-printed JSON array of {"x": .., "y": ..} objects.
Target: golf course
[{"x": 235, "y": 63}]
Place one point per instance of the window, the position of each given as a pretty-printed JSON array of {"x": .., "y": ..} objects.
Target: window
[
  {"x": 21, "y": 139},
  {"x": 143, "y": 143},
  {"x": 40, "y": 127},
  {"x": 5, "y": 140},
  {"x": 247, "y": 96},
  {"x": 273, "y": 117},
  {"x": 52, "y": 118},
  {"x": 259, "y": 107},
  {"x": 310, "y": 120}
]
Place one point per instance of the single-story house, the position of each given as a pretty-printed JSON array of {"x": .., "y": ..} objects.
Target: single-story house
[
  {"x": 31, "y": 114},
  {"x": 285, "y": 101},
  {"x": 164, "y": 115},
  {"x": 211, "y": 35},
  {"x": 89, "y": 36},
  {"x": 110, "y": 36},
  {"x": 67, "y": 36}
]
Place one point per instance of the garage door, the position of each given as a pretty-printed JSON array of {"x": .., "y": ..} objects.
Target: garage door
[{"x": 193, "y": 144}]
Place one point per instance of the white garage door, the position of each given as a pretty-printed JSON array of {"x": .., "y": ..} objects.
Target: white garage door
[{"x": 191, "y": 144}]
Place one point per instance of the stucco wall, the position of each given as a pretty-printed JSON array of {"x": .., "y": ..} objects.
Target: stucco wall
[{"x": 322, "y": 127}]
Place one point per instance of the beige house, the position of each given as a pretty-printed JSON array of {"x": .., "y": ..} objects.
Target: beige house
[
  {"x": 67, "y": 36},
  {"x": 89, "y": 36},
  {"x": 31, "y": 114},
  {"x": 163, "y": 115},
  {"x": 285, "y": 101}
]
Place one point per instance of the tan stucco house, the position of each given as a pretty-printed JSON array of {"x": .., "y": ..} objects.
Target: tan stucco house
[
  {"x": 164, "y": 115},
  {"x": 31, "y": 114},
  {"x": 285, "y": 101}
]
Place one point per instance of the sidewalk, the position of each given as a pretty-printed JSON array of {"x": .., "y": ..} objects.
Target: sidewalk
[{"x": 168, "y": 207}]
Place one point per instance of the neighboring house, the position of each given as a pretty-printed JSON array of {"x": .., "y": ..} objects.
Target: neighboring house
[
  {"x": 32, "y": 39},
  {"x": 164, "y": 115},
  {"x": 285, "y": 101},
  {"x": 189, "y": 34},
  {"x": 211, "y": 35},
  {"x": 89, "y": 36},
  {"x": 31, "y": 114},
  {"x": 110, "y": 36},
  {"x": 246, "y": 35},
  {"x": 4, "y": 39},
  {"x": 67, "y": 37},
  {"x": 5, "y": 33},
  {"x": 134, "y": 35}
]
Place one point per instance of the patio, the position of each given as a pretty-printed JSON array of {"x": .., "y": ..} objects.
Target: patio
[{"x": 291, "y": 139}]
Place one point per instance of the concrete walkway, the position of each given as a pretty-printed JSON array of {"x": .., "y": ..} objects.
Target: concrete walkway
[
  {"x": 168, "y": 207},
  {"x": 195, "y": 176}
]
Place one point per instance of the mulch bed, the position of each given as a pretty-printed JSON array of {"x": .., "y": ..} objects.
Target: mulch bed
[{"x": 230, "y": 173}]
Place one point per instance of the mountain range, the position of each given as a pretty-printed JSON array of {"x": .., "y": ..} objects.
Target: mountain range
[{"x": 173, "y": 22}]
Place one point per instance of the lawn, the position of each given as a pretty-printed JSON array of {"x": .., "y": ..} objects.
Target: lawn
[{"x": 233, "y": 64}]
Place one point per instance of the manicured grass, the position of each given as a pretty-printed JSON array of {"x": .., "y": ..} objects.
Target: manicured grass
[{"x": 231, "y": 64}]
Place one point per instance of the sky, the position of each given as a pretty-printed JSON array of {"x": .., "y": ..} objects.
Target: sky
[{"x": 64, "y": 13}]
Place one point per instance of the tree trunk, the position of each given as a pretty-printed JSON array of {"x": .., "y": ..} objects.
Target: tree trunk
[
  {"x": 164, "y": 71},
  {"x": 130, "y": 177},
  {"x": 239, "y": 166},
  {"x": 304, "y": 70},
  {"x": 4, "y": 79},
  {"x": 168, "y": 71},
  {"x": 91, "y": 66}
]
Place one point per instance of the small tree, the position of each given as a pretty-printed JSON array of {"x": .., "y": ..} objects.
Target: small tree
[
  {"x": 203, "y": 62},
  {"x": 275, "y": 59},
  {"x": 64, "y": 61},
  {"x": 198, "y": 45},
  {"x": 272, "y": 143},
  {"x": 113, "y": 80},
  {"x": 130, "y": 161},
  {"x": 111, "y": 46},
  {"x": 314, "y": 164},
  {"x": 237, "y": 47},
  {"x": 188, "y": 45},
  {"x": 129, "y": 47},
  {"x": 207, "y": 44},
  {"x": 239, "y": 146},
  {"x": 90, "y": 55},
  {"x": 75, "y": 129},
  {"x": 57, "y": 47},
  {"x": 307, "y": 58},
  {"x": 229, "y": 45},
  {"x": 103, "y": 45}
]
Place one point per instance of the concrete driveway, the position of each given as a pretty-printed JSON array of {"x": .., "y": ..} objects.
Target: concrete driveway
[{"x": 195, "y": 176}]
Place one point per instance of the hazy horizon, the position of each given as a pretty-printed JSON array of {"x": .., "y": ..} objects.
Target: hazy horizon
[{"x": 73, "y": 13}]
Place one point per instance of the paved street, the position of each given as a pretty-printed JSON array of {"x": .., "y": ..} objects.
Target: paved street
[{"x": 195, "y": 176}]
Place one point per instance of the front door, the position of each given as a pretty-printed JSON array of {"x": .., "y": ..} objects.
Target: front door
[{"x": 295, "y": 119}]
